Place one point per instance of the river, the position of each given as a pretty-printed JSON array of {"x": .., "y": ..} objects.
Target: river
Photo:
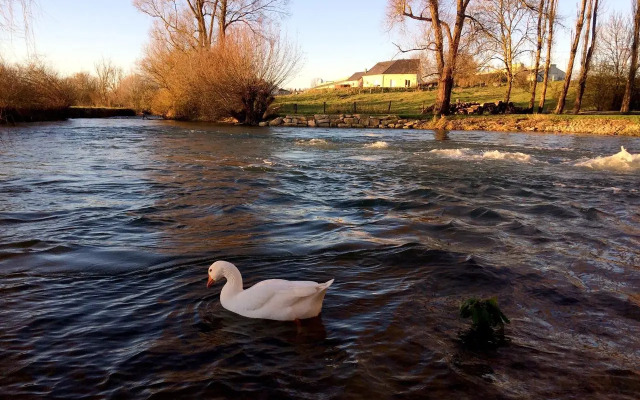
[{"x": 107, "y": 228}]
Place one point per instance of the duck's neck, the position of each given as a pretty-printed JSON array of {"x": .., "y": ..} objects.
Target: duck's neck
[{"x": 234, "y": 282}]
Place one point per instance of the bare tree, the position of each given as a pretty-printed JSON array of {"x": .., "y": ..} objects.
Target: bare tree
[
  {"x": 587, "y": 53},
  {"x": 109, "y": 77},
  {"x": 84, "y": 88},
  {"x": 552, "y": 6},
  {"x": 441, "y": 38},
  {"x": 315, "y": 82},
  {"x": 572, "y": 56},
  {"x": 251, "y": 14},
  {"x": 183, "y": 24},
  {"x": 540, "y": 33},
  {"x": 505, "y": 25},
  {"x": 613, "y": 51},
  {"x": 246, "y": 72},
  {"x": 190, "y": 24},
  {"x": 9, "y": 15},
  {"x": 633, "y": 69}
]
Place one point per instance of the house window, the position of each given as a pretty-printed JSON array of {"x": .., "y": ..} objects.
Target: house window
[
  {"x": 407, "y": 83},
  {"x": 391, "y": 83}
]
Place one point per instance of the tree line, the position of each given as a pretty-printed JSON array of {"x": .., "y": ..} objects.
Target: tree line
[
  {"x": 206, "y": 59},
  {"x": 217, "y": 59},
  {"x": 500, "y": 33}
]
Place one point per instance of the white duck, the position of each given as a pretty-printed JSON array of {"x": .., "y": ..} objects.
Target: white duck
[{"x": 275, "y": 299}]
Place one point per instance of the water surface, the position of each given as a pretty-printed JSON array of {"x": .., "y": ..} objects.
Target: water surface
[{"x": 107, "y": 228}]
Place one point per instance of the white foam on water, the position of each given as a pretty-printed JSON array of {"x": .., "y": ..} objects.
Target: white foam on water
[
  {"x": 366, "y": 158},
  {"x": 499, "y": 155},
  {"x": 622, "y": 161},
  {"x": 377, "y": 145},
  {"x": 312, "y": 142},
  {"x": 615, "y": 190},
  {"x": 453, "y": 153},
  {"x": 468, "y": 154}
]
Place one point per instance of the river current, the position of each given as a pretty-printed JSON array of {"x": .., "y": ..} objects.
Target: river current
[{"x": 107, "y": 228}]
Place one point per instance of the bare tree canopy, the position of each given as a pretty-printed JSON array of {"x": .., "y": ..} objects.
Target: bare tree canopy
[
  {"x": 613, "y": 51},
  {"x": 189, "y": 24},
  {"x": 109, "y": 77},
  {"x": 442, "y": 37},
  {"x": 16, "y": 15},
  {"x": 506, "y": 27}
]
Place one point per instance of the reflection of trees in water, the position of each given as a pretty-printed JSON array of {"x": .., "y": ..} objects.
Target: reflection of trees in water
[
  {"x": 442, "y": 134},
  {"x": 204, "y": 194}
]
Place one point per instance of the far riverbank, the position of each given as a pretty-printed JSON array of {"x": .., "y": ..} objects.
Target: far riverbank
[
  {"x": 622, "y": 125},
  {"x": 15, "y": 115}
]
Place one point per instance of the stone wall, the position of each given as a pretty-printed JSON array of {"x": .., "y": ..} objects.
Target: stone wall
[{"x": 344, "y": 121}]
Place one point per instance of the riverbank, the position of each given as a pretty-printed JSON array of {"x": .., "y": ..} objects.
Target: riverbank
[
  {"x": 623, "y": 125},
  {"x": 17, "y": 115},
  {"x": 100, "y": 112}
]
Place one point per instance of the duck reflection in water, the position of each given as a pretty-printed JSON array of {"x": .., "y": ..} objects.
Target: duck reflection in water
[{"x": 307, "y": 331}]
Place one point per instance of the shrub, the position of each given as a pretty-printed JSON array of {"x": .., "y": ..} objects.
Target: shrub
[{"x": 487, "y": 323}]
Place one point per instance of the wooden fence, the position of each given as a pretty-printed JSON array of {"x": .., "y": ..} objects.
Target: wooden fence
[{"x": 356, "y": 107}]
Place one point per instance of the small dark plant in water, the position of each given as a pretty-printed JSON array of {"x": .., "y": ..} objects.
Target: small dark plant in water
[{"x": 487, "y": 324}]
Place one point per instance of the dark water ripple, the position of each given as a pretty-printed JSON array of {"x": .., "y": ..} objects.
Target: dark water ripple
[{"x": 106, "y": 232}]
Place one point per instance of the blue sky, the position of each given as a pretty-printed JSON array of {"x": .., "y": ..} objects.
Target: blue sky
[{"x": 337, "y": 37}]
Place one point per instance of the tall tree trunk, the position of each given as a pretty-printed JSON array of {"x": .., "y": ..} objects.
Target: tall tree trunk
[
  {"x": 443, "y": 98},
  {"x": 536, "y": 67},
  {"x": 445, "y": 61},
  {"x": 551, "y": 20},
  {"x": 507, "y": 96},
  {"x": 587, "y": 53},
  {"x": 222, "y": 21},
  {"x": 633, "y": 70},
  {"x": 445, "y": 84},
  {"x": 197, "y": 8},
  {"x": 572, "y": 58}
]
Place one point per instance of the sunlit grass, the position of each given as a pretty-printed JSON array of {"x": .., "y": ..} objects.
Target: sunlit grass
[{"x": 405, "y": 103}]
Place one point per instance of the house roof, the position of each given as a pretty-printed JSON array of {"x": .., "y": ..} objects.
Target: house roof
[
  {"x": 555, "y": 70},
  {"x": 395, "y": 67},
  {"x": 356, "y": 76}
]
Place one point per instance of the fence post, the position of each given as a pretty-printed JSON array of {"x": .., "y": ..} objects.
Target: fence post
[
  {"x": 324, "y": 108},
  {"x": 295, "y": 108},
  {"x": 423, "y": 107},
  {"x": 355, "y": 108},
  {"x": 389, "y": 110}
]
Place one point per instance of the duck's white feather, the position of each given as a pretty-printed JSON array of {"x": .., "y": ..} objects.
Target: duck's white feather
[{"x": 275, "y": 299}]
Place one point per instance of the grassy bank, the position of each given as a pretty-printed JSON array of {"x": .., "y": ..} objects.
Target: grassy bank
[
  {"x": 403, "y": 103},
  {"x": 409, "y": 104},
  {"x": 624, "y": 125}
]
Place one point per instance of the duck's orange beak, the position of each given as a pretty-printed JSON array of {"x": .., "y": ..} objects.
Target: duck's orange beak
[{"x": 210, "y": 282}]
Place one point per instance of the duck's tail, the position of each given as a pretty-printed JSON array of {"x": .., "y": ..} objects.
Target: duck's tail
[{"x": 325, "y": 286}]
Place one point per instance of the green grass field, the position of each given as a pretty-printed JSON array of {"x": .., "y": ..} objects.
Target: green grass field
[{"x": 403, "y": 103}]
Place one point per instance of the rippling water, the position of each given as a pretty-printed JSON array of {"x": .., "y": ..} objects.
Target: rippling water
[{"x": 107, "y": 227}]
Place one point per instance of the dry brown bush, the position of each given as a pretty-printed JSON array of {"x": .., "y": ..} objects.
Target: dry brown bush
[
  {"x": 235, "y": 79},
  {"x": 32, "y": 86}
]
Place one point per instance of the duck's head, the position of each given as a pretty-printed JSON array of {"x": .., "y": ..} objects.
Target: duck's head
[{"x": 216, "y": 271}]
